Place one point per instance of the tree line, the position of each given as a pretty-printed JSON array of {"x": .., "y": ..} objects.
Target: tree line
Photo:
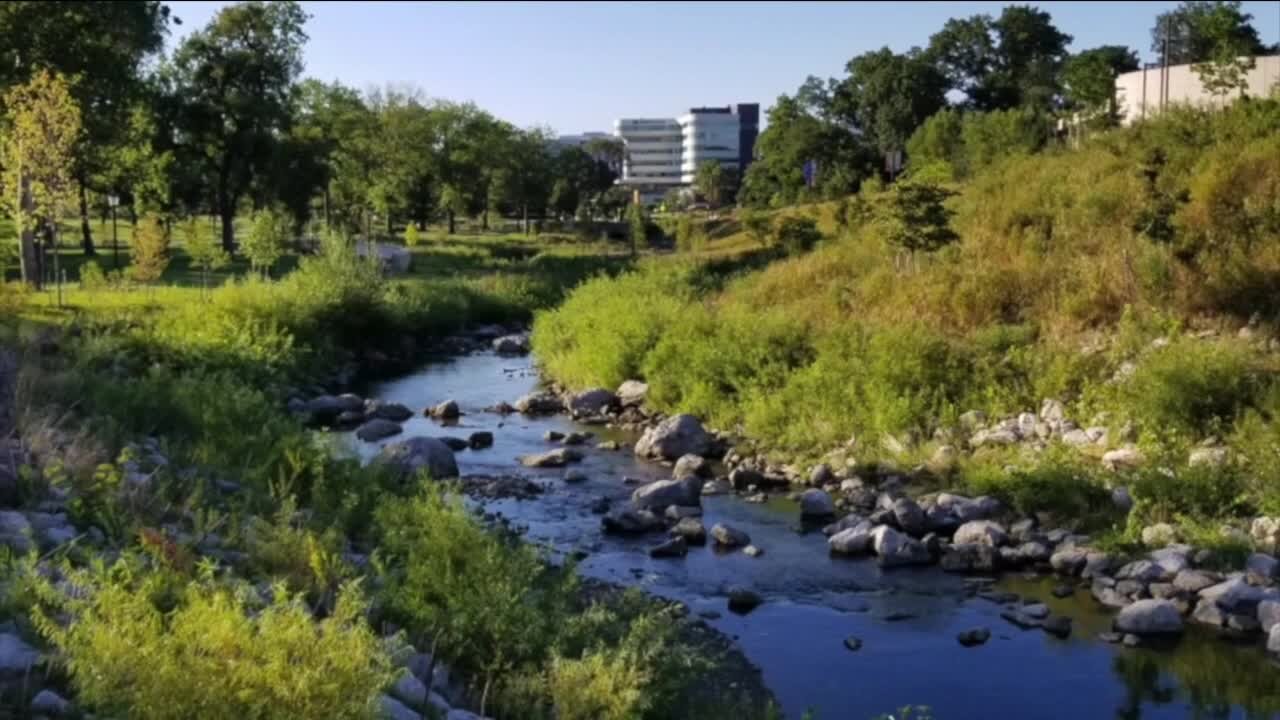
[
  {"x": 224, "y": 123},
  {"x": 1003, "y": 79}
]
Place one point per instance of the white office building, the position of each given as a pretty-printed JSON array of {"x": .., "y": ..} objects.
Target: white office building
[{"x": 664, "y": 153}]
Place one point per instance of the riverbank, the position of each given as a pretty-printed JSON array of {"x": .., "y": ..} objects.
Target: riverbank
[{"x": 161, "y": 486}]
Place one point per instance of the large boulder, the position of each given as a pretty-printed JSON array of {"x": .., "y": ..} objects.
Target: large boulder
[
  {"x": 1124, "y": 458},
  {"x": 894, "y": 548},
  {"x": 677, "y": 435},
  {"x": 540, "y": 403},
  {"x": 691, "y": 466},
  {"x": 981, "y": 532},
  {"x": 965, "y": 509},
  {"x": 661, "y": 494},
  {"x": 854, "y": 540},
  {"x": 910, "y": 518},
  {"x": 377, "y": 429},
  {"x": 15, "y": 531},
  {"x": 325, "y": 409},
  {"x": 395, "y": 412},
  {"x": 970, "y": 558},
  {"x": 816, "y": 504},
  {"x": 729, "y": 536},
  {"x": 1261, "y": 569},
  {"x": 1234, "y": 596},
  {"x": 692, "y": 530},
  {"x": 630, "y": 522},
  {"x": 390, "y": 708},
  {"x": 632, "y": 392},
  {"x": 592, "y": 402},
  {"x": 1159, "y": 535},
  {"x": 447, "y": 410},
  {"x": 1149, "y": 617},
  {"x": 421, "y": 453}
]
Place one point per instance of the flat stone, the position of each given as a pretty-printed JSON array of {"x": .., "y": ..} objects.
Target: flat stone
[{"x": 1149, "y": 617}]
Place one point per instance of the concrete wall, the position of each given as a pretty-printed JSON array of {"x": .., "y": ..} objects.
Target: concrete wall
[{"x": 1184, "y": 87}]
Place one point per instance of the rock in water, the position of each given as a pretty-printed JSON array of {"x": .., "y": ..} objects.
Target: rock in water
[
  {"x": 551, "y": 458},
  {"x": 377, "y": 429},
  {"x": 981, "y": 532},
  {"x": 421, "y": 453},
  {"x": 541, "y": 403},
  {"x": 692, "y": 530},
  {"x": 394, "y": 412},
  {"x": 447, "y": 410},
  {"x": 744, "y": 601},
  {"x": 816, "y": 504},
  {"x": 677, "y": 435},
  {"x": 675, "y": 547},
  {"x": 660, "y": 494},
  {"x": 592, "y": 402},
  {"x": 853, "y": 644},
  {"x": 480, "y": 439},
  {"x": 512, "y": 345},
  {"x": 976, "y": 636},
  {"x": 1149, "y": 617},
  {"x": 729, "y": 536}
]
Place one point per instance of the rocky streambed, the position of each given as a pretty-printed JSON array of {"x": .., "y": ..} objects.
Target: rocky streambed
[{"x": 854, "y": 600}]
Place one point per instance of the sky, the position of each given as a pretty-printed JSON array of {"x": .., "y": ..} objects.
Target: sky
[{"x": 577, "y": 66}]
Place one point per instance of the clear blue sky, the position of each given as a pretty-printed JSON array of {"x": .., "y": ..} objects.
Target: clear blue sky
[{"x": 577, "y": 66}]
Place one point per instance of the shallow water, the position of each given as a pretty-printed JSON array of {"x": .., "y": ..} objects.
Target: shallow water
[{"x": 813, "y": 601}]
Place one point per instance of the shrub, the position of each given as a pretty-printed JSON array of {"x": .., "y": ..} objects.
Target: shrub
[
  {"x": 758, "y": 224},
  {"x": 92, "y": 277},
  {"x": 265, "y": 243},
  {"x": 1168, "y": 490},
  {"x": 1060, "y": 483},
  {"x": 690, "y": 235},
  {"x": 150, "y": 252},
  {"x": 1191, "y": 387},
  {"x": 138, "y": 649},
  {"x": 412, "y": 236},
  {"x": 795, "y": 234},
  {"x": 916, "y": 216}
]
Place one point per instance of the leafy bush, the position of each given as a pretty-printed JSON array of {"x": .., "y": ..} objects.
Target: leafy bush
[
  {"x": 1168, "y": 490},
  {"x": 1191, "y": 387},
  {"x": 758, "y": 224},
  {"x": 796, "y": 234},
  {"x": 138, "y": 649},
  {"x": 150, "y": 250},
  {"x": 92, "y": 277},
  {"x": 1060, "y": 482},
  {"x": 412, "y": 236}
]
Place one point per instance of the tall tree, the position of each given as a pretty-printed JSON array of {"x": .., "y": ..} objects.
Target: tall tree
[
  {"x": 1001, "y": 63},
  {"x": 235, "y": 77},
  {"x": 1089, "y": 78},
  {"x": 1230, "y": 50},
  {"x": 101, "y": 47},
  {"x": 42, "y": 126},
  {"x": 1194, "y": 29},
  {"x": 887, "y": 95}
]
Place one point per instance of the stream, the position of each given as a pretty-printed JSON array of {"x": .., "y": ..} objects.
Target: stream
[{"x": 813, "y": 601}]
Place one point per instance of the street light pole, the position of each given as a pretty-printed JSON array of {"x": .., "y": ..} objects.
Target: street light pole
[{"x": 114, "y": 200}]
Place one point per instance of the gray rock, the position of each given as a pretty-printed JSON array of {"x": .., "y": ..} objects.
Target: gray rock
[
  {"x": 1143, "y": 572},
  {"x": 576, "y": 438},
  {"x": 1265, "y": 532},
  {"x": 551, "y": 458},
  {"x": 15, "y": 531},
  {"x": 1039, "y": 611},
  {"x": 691, "y": 530},
  {"x": 691, "y": 466},
  {"x": 816, "y": 504},
  {"x": 630, "y": 522},
  {"x": 1122, "y": 458},
  {"x": 409, "y": 690},
  {"x": 632, "y": 392},
  {"x": 377, "y": 429},
  {"x": 660, "y": 494},
  {"x": 1173, "y": 559},
  {"x": 1107, "y": 595},
  {"x": 993, "y": 437},
  {"x": 677, "y": 435},
  {"x": 395, "y": 412},
  {"x": 1261, "y": 568},
  {"x": 973, "y": 637},
  {"x": 1273, "y": 641},
  {"x": 894, "y": 549},
  {"x": 1268, "y": 614},
  {"x": 592, "y": 402},
  {"x": 1234, "y": 596},
  {"x": 1069, "y": 560},
  {"x": 1121, "y": 498},
  {"x": 744, "y": 478},
  {"x": 447, "y": 410},
  {"x": 16, "y": 656},
  {"x": 459, "y": 714},
  {"x": 856, "y": 540},
  {"x": 743, "y": 601},
  {"x": 729, "y": 536},
  {"x": 910, "y": 517},
  {"x": 1207, "y": 612},
  {"x": 981, "y": 532},
  {"x": 1193, "y": 581},
  {"x": 1159, "y": 535},
  {"x": 752, "y": 551},
  {"x": 853, "y": 644},
  {"x": 1057, "y": 625},
  {"x": 574, "y": 477},
  {"x": 539, "y": 403},
  {"x": 512, "y": 345},
  {"x": 455, "y": 444},
  {"x": 480, "y": 440},
  {"x": 970, "y": 558},
  {"x": 1213, "y": 456},
  {"x": 50, "y": 703},
  {"x": 675, "y": 547},
  {"x": 1096, "y": 564},
  {"x": 392, "y": 709},
  {"x": 1149, "y": 617},
  {"x": 1077, "y": 438},
  {"x": 421, "y": 453},
  {"x": 821, "y": 475}
]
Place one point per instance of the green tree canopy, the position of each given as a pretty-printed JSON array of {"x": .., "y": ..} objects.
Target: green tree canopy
[
  {"x": 1196, "y": 29},
  {"x": 1089, "y": 78}
]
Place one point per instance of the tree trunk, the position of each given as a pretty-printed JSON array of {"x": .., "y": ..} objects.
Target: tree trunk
[
  {"x": 30, "y": 258},
  {"x": 87, "y": 241},
  {"x": 484, "y": 219},
  {"x": 451, "y": 225},
  {"x": 524, "y": 217}
]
